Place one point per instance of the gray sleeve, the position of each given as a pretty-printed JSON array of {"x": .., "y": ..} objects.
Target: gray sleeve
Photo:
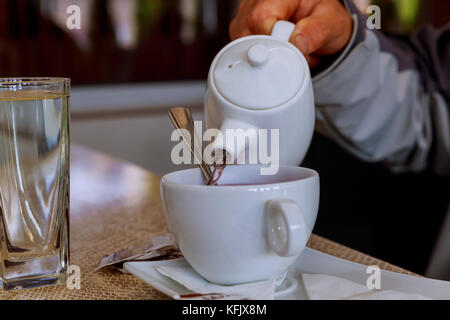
[{"x": 386, "y": 99}]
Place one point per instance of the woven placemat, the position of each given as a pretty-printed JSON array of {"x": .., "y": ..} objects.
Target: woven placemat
[
  {"x": 133, "y": 228},
  {"x": 115, "y": 205}
]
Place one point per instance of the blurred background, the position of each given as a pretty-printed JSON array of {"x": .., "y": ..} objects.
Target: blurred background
[{"x": 133, "y": 59}]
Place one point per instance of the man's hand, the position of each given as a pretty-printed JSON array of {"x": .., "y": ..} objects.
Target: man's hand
[{"x": 323, "y": 27}]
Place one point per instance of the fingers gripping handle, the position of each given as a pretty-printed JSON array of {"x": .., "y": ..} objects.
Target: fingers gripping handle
[
  {"x": 283, "y": 30},
  {"x": 286, "y": 231}
]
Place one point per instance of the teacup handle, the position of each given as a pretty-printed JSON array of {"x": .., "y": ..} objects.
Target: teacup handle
[{"x": 286, "y": 229}]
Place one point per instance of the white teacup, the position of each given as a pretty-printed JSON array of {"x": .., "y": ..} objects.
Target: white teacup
[{"x": 251, "y": 230}]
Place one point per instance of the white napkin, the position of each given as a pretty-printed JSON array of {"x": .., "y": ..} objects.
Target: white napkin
[
  {"x": 327, "y": 287},
  {"x": 202, "y": 289}
]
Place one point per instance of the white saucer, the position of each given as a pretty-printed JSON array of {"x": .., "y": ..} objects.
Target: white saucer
[
  {"x": 289, "y": 285},
  {"x": 310, "y": 261},
  {"x": 145, "y": 270}
]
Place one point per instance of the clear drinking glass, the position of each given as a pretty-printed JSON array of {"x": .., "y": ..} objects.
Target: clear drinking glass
[{"x": 34, "y": 181}]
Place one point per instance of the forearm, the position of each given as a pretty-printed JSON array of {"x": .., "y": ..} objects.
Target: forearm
[{"x": 386, "y": 100}]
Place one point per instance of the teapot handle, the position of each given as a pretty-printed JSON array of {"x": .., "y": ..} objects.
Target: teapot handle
[{"x": 283, "y": 30}]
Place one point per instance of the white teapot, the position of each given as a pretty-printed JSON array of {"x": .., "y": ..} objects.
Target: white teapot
[{"x": 262, "y": 82}]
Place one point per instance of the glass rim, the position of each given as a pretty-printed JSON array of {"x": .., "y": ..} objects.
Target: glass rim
[{"x": 33, "y": 81}]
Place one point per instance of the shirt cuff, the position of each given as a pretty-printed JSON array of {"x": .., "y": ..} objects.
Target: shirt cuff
[{"x": 358, "y": 36}]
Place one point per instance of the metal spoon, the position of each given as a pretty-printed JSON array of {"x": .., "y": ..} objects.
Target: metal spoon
[{"x": 182, "y": 119}]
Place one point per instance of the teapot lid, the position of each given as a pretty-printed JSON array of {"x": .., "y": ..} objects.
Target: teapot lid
[{"x": 260, "y": 72}]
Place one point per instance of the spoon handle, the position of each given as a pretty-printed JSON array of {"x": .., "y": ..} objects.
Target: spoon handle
[{"x": 182, "y": 120}]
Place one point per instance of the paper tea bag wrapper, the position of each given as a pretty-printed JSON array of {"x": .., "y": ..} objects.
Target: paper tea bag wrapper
[{"x": 158, "y": 246}]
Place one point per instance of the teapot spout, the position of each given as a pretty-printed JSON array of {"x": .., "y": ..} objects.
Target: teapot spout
[{"x": 236, "y": 137}]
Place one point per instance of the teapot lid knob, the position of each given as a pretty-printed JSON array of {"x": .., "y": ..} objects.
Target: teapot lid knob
[{"x": 258, "y": 55}]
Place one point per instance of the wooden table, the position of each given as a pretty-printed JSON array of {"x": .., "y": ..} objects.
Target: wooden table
[{"x": 115, "y": 204}]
